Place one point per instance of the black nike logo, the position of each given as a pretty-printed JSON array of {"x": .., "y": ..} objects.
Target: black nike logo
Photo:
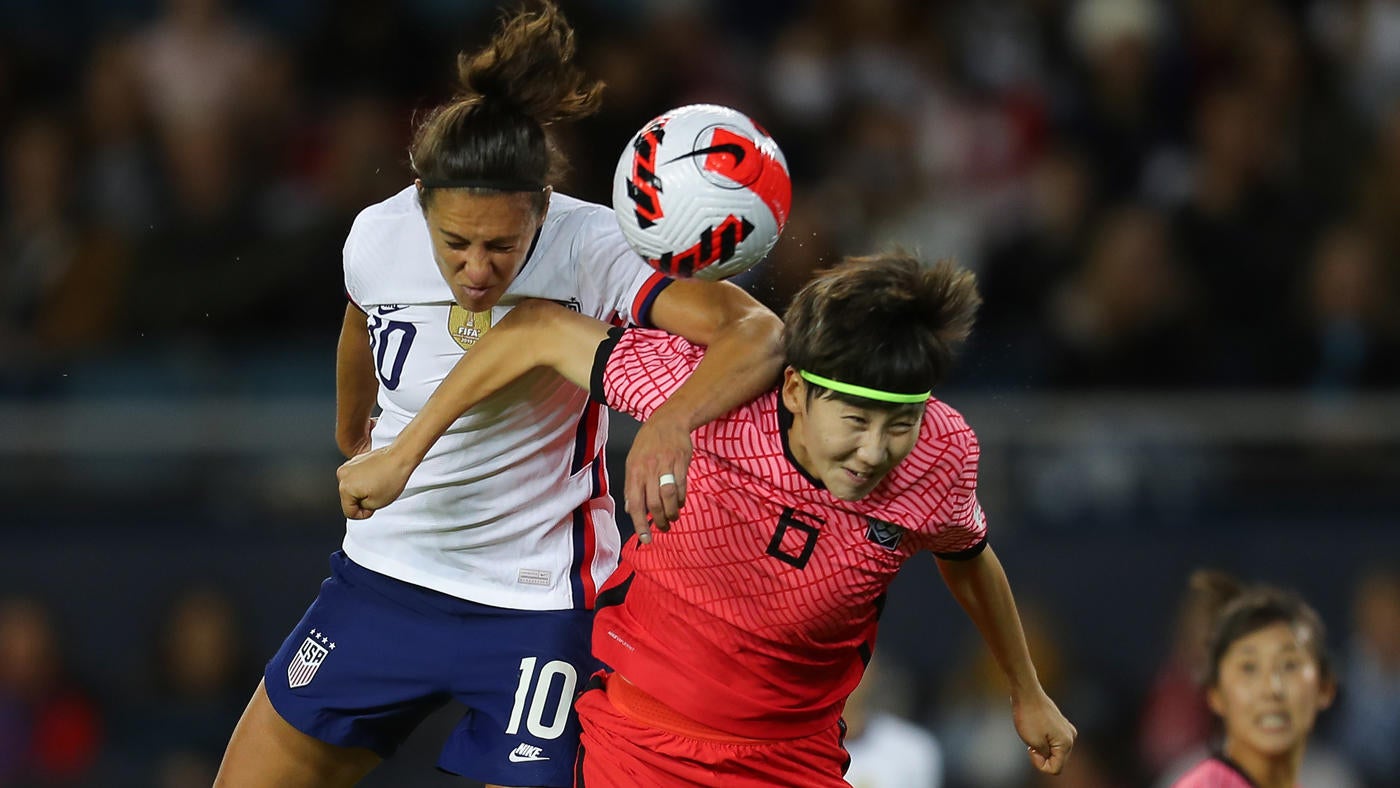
[
  {"x": 737, "y": 151},
  {"x": 384, "y": 310}
]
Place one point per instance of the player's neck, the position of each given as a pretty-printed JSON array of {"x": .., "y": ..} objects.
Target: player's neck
[
  {"x": 1265, "y": 770},
  {"x": 788, "y": 427},
  {"x": 798, "y": 448}
]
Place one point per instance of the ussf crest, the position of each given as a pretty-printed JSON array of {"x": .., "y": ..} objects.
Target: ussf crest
[{"x": 307, "y": 660}]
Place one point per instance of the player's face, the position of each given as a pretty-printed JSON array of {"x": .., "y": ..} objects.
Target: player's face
[
  {"x": 1269, "y": 693},
  {"x": 480, "y": 242},
  {"x": 849, "y": 449}
]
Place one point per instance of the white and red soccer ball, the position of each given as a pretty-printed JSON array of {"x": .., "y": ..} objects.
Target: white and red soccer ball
[{"x": 702, "y": 191}]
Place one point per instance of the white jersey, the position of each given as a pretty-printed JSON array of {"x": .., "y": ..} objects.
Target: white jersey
[{"x": 510, "y": 507}]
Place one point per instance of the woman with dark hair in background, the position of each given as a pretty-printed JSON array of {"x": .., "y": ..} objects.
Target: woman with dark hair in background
[
  {"x": 479, "y": 582},
  {"x": 1267, "y": 676}
]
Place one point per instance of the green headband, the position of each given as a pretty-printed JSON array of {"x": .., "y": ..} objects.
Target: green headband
[{"x": 862, "y": 391}]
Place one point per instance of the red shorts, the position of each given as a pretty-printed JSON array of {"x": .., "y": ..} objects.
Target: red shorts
[{"x": 631, "y": 739}]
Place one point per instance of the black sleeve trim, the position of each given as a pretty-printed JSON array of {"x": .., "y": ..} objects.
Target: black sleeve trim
[
  {"x": 965, "y": 555},
  {"x": 600, "y": 363},
  {"x": 644, "y": 312},
  {"x": 614, "y": 595}
]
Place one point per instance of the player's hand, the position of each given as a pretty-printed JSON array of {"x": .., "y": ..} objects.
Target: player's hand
[
  {"x": 1049, "y": 737},
  {"x": 371, "y": 481},
  {"x": 656, "y": 468}
]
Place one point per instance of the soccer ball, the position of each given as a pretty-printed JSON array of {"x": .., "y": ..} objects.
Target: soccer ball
[{"x": 702, "y": 191}]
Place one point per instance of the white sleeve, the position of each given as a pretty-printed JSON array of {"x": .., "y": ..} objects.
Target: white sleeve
[
  {"x": 613, "y": 279},
  {"x": 354, "y": 281}
]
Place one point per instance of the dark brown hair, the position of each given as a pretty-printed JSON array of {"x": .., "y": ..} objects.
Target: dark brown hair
[
  {"x": 494, "y": 135},
  {"x": 886, "y": 322},
  {"x": 1251, "y": 608}
]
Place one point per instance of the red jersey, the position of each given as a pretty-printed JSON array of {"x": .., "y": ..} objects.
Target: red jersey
[
  {"x": 756, "y": 613},
  {"x": 1215, "y": 772}
]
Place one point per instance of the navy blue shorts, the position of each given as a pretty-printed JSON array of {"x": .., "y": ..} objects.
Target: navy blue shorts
[{"x": 374, "y": 656}]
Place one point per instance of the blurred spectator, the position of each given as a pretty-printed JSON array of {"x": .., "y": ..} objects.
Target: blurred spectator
[
  {"x": 123, "y": 191},
  {"x": 369, "y": 47},
  {"x": 57, "y": 276},
  {"x": 197, "y": 65},
  {"x": 51, "y": 731},
  {"x": 217, "y": 91},
  {"x": 1209, "y": 40},
  {"x": 201, "y": 675},
  {"x": 1349, "y": 337},
  {"x": 803, "y": 75},
  {"x": 1023, "y": 268},
  {"x": 1369, "y": 726},
  {"x": 1175, "y": 719},
  {"x": 1118, "y": 111},
  {"x": 1365, "y": 36},
  {"x": 190, "y": 279},
  {"x": 886, "y": 750},
  {"x": 360, "y": 159},
  {"x": 1379, "y": 195},
  {"x": 1239, "y": 234},
  {"x": 1317, "y": 139},
  {"x": 1126, "y": 318}
]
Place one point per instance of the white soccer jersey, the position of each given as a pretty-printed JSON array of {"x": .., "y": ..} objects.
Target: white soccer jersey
[{"x": 510, "y": 507}]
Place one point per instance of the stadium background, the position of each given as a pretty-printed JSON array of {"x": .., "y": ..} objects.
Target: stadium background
[{"x": 1185, "y": 215}]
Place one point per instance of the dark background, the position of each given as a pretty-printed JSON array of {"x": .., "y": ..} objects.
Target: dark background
[{"x": 1185, "y": 216}]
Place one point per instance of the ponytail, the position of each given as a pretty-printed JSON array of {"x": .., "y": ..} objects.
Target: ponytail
[{"x": 494, "y": 135}]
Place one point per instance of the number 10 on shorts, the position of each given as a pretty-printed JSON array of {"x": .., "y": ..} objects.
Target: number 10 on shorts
[{"x": 538, "y": 691}]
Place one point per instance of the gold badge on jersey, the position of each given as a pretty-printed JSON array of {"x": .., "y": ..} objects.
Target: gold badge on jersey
[{"x": 467, "y": 327}]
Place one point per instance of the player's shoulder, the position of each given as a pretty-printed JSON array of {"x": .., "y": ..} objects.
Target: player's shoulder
[
  {"x": 571, "y": 228},
  {"x": 388, "y": 255},
  {"x": 386, "y": 223},
  {"x": 946, "y": 445},
  {"x": 944, "y": 425},
  {"x": 569, "y": 217},
  {"x": 400, "y": 206},
  {"x": 755, "y": 423}
]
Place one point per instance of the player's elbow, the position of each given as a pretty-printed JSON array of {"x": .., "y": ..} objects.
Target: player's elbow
[
  {"x": 760, "y": 333},
  {"x": 763, "y": 326},
  {"x": 740, "y": 316}
]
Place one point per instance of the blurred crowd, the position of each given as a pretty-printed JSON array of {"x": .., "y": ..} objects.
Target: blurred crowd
[
  {"x": 167, "y": 727},
  {"x": 1156, "y": 194}
]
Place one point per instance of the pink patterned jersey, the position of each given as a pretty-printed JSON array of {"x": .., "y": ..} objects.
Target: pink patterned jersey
[
  {"x": 756, "y": 613},
  {"x": 1214, "y": 772}
]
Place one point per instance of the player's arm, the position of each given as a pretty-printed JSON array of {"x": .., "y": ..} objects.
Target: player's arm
[
  {"x": 355, "y": 386},
  {"x": 534, "y": 334},
  {"x": 743, "y": 358},
  {"x": 980, "y": 586}
]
